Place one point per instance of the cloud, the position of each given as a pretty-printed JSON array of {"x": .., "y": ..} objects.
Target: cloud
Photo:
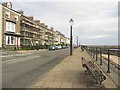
[
  {"x": 61, "y": 0},
  {"x": 91, "y": 19},
  {"x": 99, "y": 36}
]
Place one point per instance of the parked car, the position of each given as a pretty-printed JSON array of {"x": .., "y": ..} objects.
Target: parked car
[
  {"x": 53, "y": 48},
  {"x": 67, "y": 46},
  {"x": 59, "y": 47},
  {"x": 64, "y": 47}
]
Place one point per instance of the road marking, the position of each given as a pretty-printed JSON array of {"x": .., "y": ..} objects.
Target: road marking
[
  {"x": 16, "y": 55},
  {"x": 19, "y": 60}
]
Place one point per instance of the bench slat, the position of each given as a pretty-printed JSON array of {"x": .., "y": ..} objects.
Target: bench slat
[{"x": 93, "y": 70}]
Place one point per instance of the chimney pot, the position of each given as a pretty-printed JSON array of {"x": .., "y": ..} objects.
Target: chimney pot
[{"x": 31, "y": 18}]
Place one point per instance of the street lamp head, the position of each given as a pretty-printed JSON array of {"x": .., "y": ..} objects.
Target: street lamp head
[{"x": 71, "y": 21}]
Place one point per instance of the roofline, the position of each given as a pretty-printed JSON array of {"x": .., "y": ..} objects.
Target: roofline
[{"x": 11, "y": 9}]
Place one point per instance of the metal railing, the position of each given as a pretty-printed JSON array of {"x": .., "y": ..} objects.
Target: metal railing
[
  {"x": 103, "y": 57},
  {"x": 97, "y": 54}
]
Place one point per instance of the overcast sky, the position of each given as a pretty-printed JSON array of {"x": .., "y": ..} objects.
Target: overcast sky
[{"x": 94, "y": 22}]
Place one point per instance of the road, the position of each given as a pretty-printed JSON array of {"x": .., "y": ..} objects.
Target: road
[{"x": 23, "y": 71}]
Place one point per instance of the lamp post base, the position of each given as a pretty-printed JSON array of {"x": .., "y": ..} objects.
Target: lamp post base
[{"x": 108, "y": 71}]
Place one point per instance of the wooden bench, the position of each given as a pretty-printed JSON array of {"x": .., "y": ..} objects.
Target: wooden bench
[{"x": 94, "y": 72}]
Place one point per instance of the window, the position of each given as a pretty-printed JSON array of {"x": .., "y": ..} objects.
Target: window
[
  {"x": 16, "y": 18},
  {"x": 7, "y": 14},
  {"x": 8, "y": 5},
  {"x": 7, "y": 26},
  {"x": 10, "y": 40},
  {"x": 10, "y": 27}
]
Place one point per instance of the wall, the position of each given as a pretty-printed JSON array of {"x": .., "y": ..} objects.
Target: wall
[
  {"x": 17, "y": 27},
  {"x": 0, "y": 25},
  {"x": 0, "y": 46}
]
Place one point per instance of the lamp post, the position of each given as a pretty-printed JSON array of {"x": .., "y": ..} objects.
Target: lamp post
[
  {"x": 77, "y": 41},
  {"x": 71, "y": 23}
]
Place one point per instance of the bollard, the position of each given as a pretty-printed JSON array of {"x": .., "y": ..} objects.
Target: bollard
[
  {"x": 96, "y": 54},
  {"x": 108, "y": 71},
  {"x": 100, "y": 56}
]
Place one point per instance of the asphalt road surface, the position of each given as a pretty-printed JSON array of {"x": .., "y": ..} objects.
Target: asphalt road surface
[{"x": 23, "y": 71}]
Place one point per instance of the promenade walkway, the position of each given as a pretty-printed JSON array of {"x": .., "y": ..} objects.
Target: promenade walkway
[{"x": 70, "y": 74}]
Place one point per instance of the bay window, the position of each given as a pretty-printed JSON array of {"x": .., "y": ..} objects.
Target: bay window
[
  {"x": 10, "y": 26},
  {"x": 10, "y": 40}
]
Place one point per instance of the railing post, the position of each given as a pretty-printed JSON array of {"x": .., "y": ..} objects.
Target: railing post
[
  {"x": 100, "y": 56},
  {"x": 108, "y": 71},
  {"x": 93, "y": 52},
  {"x": 96, "y": 53}
]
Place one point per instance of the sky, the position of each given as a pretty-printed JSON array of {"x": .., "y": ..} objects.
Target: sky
[{"x": 95, "y": 22}]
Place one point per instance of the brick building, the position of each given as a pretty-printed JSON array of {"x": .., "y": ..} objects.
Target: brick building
[
  {"x": 20, "y": 30},
  {"x": 11, "y": 27},
  {"x": 61, "y": 39},
  {"x": 0, "y": 25},
  {"x": 30, "y": 31}
]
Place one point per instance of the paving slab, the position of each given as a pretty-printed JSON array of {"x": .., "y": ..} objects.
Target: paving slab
[
  {"x": 8, "y": 53},
  {"x": 69, "y": 73}
]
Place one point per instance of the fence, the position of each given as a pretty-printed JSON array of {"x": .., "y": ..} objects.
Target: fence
[
  {"x": 96, "y": 53},
  {"x": 102, "y": 57}
]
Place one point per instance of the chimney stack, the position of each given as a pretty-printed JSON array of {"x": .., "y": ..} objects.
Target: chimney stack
[
  {"x": 37, "y": 21},
  {"x": 42, "y": 24},
  {"x": 31, "y": 18},
  {"x": 52, "y": 28},
  {"x": 46, "y": 26},
  {"x": 20, "y": 11},
  {"x": 7, "y": 4}
]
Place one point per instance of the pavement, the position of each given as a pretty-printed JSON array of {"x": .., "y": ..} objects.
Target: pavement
[
  {"x": 69, "y": 73},
  {"x": 6, "y": 53},
  {"x": 24, "y": 71}
]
